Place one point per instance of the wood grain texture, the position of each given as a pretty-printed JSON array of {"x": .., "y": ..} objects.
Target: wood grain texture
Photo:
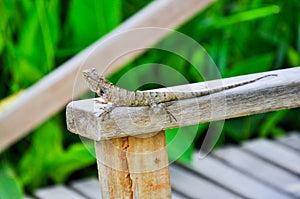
[
  {"x": 276, "y": 153},
  {"x": 87, "y": 187},
  {"x": 233, "y": 179},
  {"x": 263, "y": 170},
  {"x": 292, "y": 140},
  {"x": 56, "y": 89},
  {"x": 193, "y": 186},
  {"x": 132, "y": 167},
  {"x": 269, "y": 94},
  {"x": 90, "y": 188},
  {"x": 57, "y": 192}
]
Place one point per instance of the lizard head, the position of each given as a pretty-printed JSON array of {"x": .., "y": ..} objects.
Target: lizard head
[{"x": 96, "y": 82}]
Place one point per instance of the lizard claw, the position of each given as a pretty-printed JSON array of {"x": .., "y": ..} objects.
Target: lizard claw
[
  {"x": 170, "y": 115},
  {"x": 106, "y": 110},
  {"x": 164, "y": 107}
]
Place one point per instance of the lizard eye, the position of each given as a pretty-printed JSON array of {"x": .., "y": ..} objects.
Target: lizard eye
[{"x": 101, "y": 92}]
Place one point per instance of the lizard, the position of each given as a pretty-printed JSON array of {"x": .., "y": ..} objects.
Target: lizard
[{"x": 121, "y": 97}]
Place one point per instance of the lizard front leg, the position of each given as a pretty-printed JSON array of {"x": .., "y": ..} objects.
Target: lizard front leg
[{"x": 106, "y": 110}]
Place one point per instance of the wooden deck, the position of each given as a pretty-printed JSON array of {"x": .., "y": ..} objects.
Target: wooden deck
[{"x": 257, "y": 169}]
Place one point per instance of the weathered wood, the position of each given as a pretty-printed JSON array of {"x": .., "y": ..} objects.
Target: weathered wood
[
  {"x": 269, "y": 94},
  {"x": 132, "y": 167},
  {"x": 257, "y": 167},
  {"x": 276, "y": 153},
  {"x": 88, "y": 187},
  {"x": 234, "y": 180},
  {"x": 177, "y": 196},
  {"x": 292, "y": 140},
  {"x": 57, "y": 192},
  {"x": 56, "y": 89},
  {"x": 193, "y": 186}
]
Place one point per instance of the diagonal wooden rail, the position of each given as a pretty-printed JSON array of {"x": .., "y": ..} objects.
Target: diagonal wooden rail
[
  {"x": 130, "y": 144},
  {"x": 54, "y": 91}
]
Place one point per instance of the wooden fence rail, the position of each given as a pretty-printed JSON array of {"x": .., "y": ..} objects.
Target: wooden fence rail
[{"x": 268, "y": 94}]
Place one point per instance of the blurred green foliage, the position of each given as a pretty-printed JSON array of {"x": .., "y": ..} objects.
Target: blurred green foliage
[{"x": 36, "y": 36}]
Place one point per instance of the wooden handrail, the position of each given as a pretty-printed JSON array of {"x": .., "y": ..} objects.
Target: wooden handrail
[
  {"x": 268, "y": 94},
  {"x": 55, "y": 90}
]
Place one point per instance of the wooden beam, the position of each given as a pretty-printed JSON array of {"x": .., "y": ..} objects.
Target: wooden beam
[
  {"x": 53, "y": 92},
  {"x": 268, "y": 94}
]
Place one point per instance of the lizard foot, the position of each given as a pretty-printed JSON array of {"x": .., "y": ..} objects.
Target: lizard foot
[
  {"x": 105, "y": 113},
  {"x": 164, "y": 107},
  {"x": 170, "y": 115}
]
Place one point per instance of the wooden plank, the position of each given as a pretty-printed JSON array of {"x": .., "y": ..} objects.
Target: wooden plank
[
  {"x": 88, "y": 187},
  {"x": 133, "y": 167},
  {"x": 91, "y": 189},
  {"x": 176, "y": 195},
  {"x": 262, "y": 170},
  {"x": 269, "y": 94},
  {"x": 194, "y": 186},
  {"x": 292, "y": 140},
  {"x": 57, "y": 192},
  {"x": 275, "y": 153},
  {"x": 234, "y": 180},
  {"x": 56, "y": 89}
]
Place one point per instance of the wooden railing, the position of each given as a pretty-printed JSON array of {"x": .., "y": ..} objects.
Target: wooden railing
[
  {"x": 130, "y": 144},
  {"x": 128, "y": 174}
]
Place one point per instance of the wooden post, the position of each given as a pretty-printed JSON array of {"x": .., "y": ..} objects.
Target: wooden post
[{"x": 131, "y": 167}]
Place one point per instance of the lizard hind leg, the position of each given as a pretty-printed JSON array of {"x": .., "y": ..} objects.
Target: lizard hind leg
[{"x": 162, "y": 107}]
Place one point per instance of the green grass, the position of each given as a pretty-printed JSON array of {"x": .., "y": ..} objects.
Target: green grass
[{"x": 242, "y": 37}]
